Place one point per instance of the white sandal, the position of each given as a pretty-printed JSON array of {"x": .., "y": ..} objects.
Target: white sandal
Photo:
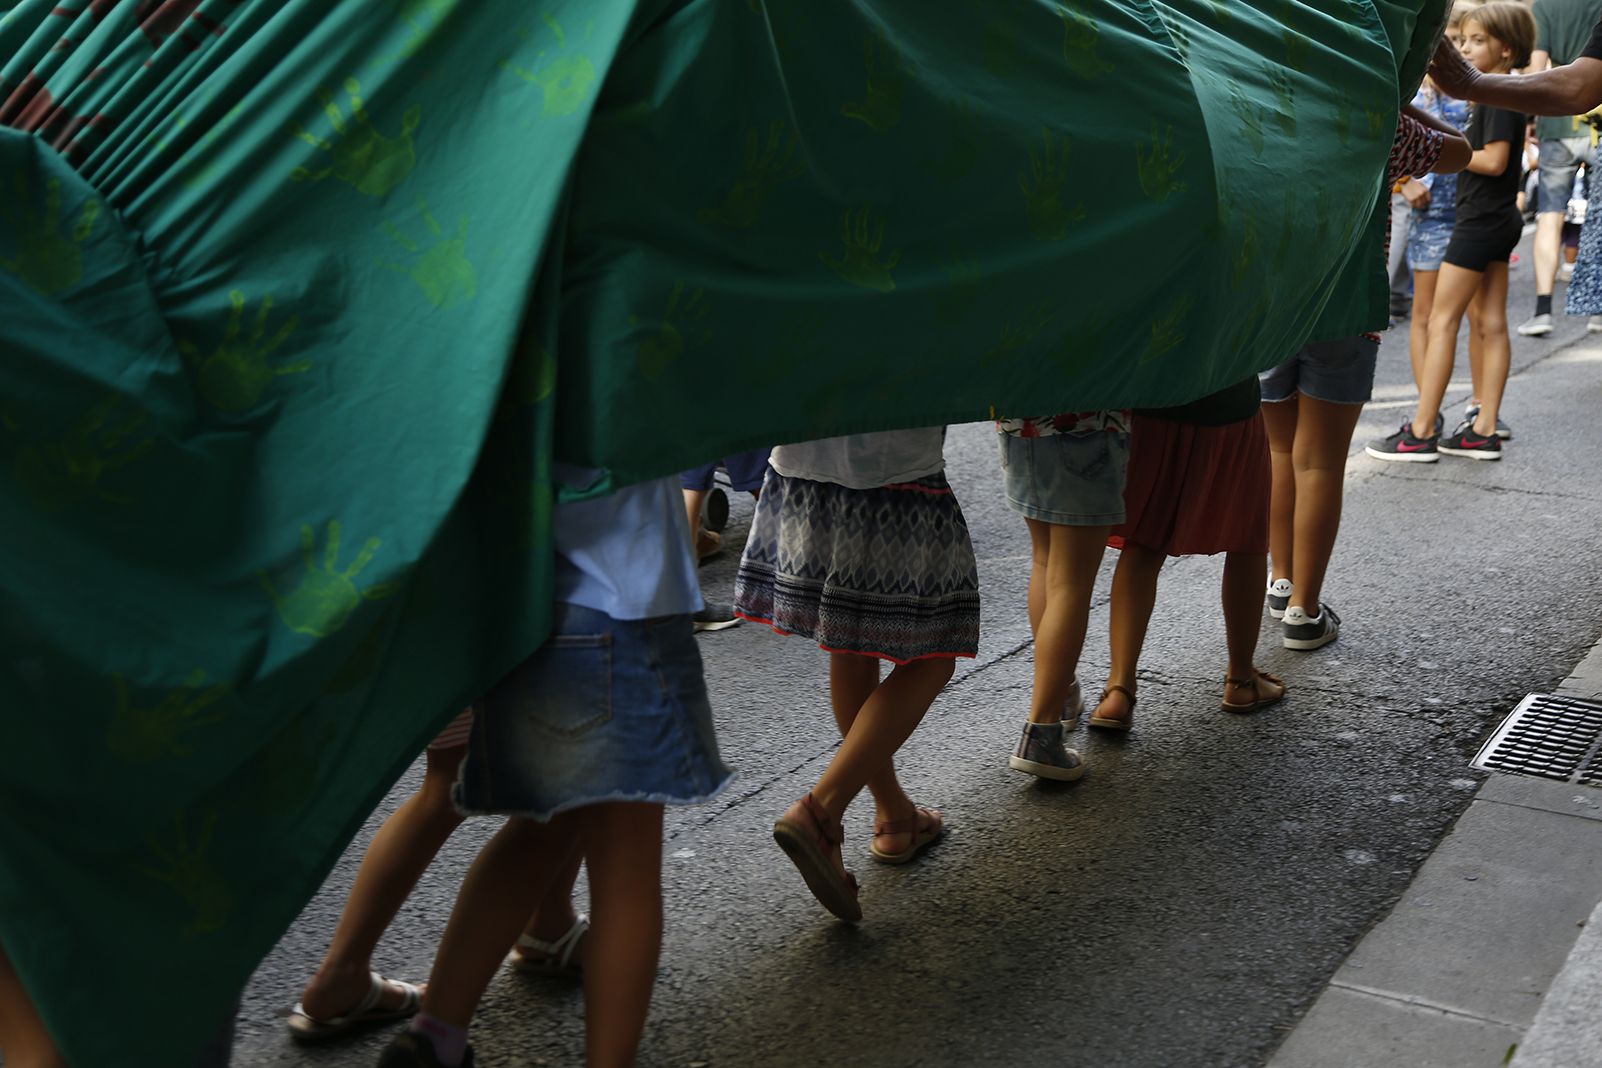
[
  {"x": 304, "y": 1027},
  {"x": 556, "y": 958}
]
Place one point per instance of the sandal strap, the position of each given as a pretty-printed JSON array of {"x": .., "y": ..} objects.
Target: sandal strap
[
  {"x": 1113, "y": 688},
  {"x": 904, "y": 825},
  {"x": 828, "y": 829},
  {"x": 563, "y": 948}
]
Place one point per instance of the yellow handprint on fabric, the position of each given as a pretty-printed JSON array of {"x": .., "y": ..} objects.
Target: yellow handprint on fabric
[
  {"x": 677, "y": 331},
  {"x": 70, "y": 469},
  {"x": 1297, "y": 49},
  {"x": 442, "y": 270},
  {"x": 767, "y": 165},
  {"x": 1378, "y": 117},
  {"x": 363, "y": 157},
  {"x": 145, "y": 734},
  {"x": 1285, "y": 98},
  {"x": 1343, "y": 121},
  {"x": 183, "y": 866},
  {"x": 999, "y": 47},
  {"x": 1042, "y": 187},
  {"x": 1015, "y": 335},
  {"x": 1250, "y": 116},
  {"x": 235, "y": 377},
  {"x": 422, "y": 19},
  {"x": 860, "y": 263},
  {"x": 1080, "y": 38},
  {"x": 880, "y": 108},
  {"x": 48, "y": 257},
  {"x": 166, "y": 135},
  {"x": 1181, "y": 37},
  {"x": 533, "y": 376},
  {"x": 326, "y": 597},
  {"x": 565, "y": 80},
  {"x": 1166, "y": 331},
  {"x": 1158, "y": 163},
  {"x": 1245, "y": 256}
]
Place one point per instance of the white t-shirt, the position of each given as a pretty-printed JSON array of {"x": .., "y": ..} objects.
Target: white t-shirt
[{"x": 865, "y": 461}]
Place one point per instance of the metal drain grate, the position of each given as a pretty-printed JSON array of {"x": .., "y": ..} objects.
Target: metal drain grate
[{"x": 1548, "y": 736}]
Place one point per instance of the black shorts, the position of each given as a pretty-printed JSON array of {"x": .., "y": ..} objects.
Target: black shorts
[{"x": 1478, "y": 244}]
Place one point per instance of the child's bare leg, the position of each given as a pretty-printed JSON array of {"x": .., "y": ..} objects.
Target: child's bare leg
[
  {"x": 852, "y": 680},
  {"x": 1497, "y": 357},
  {"x": 493, "y": 905},
  {"x": 24, "y": 1040},
  {"x": 694, "y": 501},
  {"x": 400, "y": 852},
  {"x": 1418, "y": 331},
  {"x": 1039, "y": 554},
  {"x": 1280, "y": 418},
  {"x": 1134, "y": 592},
  {"x": 1454, "y": 288},
  {"x": 882, "y": 724},
  {"x": 1320, "y": 464},
  {"x": 1073, "y": 557},
  {"x": 1243, "y": 610},
  {"x": 555, "y": 916},
  {"x": 623, "y": 847}
]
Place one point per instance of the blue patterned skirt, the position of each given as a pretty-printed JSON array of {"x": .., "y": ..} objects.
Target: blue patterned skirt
[
  {"x": 886, "y": 572},
  {"x": 1585, "y": 288}
]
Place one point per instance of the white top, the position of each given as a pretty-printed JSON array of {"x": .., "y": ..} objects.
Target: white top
[{"x": 865, "y": 461}]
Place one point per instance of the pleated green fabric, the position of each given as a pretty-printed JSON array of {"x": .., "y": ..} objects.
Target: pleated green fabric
[{"x": 299, "y": 299}]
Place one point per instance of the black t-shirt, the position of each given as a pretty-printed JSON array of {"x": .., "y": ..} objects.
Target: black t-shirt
[
  {"x": 1593, "y": 48},
  {"x": 1229, "y": 405},
  {"x": 1491, "y": 197}
]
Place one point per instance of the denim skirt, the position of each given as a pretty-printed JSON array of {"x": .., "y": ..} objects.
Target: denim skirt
[{"x": 605, "y": 710}]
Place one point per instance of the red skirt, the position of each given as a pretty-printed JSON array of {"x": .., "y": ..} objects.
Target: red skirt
[{"x": 1196, "y": 490}]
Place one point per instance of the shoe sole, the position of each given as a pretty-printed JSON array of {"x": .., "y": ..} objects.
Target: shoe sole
[
  {"x": 1045, "y": 771},
  {"x": 1305, "y": 645},
  {"x": 1403, "y": 457},
  {"x": 723, "y": 625},
  {"x": 1472, "y": 454},
  {"x": 1277, "y": 613},
  {"x": 1542, "y": 332},
  {"x": 815, "y": 868}
]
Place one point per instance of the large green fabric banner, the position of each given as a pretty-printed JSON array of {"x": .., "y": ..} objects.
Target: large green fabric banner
[{"x": 300, "y": 298}]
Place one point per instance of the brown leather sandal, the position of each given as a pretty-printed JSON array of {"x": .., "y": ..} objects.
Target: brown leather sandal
[
  {"x": 1275, "y": 691},
  {"x": 1107, "y": 723},
  {"x": 925, "y": 826},
  {"x": 812, "y": 842}
]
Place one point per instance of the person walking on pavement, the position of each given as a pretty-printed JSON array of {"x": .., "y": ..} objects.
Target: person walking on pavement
[
  {"x": 859, "y": 544},
  {"x": 345, "y": 995},
  {"x": 590, "y": 736},
  {"x": 1496, "y": 37},
  {"x": 1198, "y": 485},
  {"x": 1065, "y": 475},
  {"x": 1562, "y": 28}
]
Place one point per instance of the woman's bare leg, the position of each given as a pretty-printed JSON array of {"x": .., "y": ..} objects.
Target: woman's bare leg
[
  {"x": 1134, "y": 593},
  {"x": 1498, "y": 356},
  {"x": 1418, "y": 329},
  {"x": 1322, "y": 438},
  {"x": 1073, "y": 556},
  {"x": 1454, "y": 289}
]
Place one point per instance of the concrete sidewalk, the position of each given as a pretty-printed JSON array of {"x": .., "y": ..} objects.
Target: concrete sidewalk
[{"x": 1495, "y": 951}]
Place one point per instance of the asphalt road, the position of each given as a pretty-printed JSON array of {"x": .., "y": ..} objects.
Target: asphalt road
[{"x": 1187, "y": 900}]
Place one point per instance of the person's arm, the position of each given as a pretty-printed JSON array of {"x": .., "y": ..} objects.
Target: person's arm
[
  {"x": 1455, "y": 150},
  {"x": 1492, "y": 159},
  {"x": 1571, "y": 89}
]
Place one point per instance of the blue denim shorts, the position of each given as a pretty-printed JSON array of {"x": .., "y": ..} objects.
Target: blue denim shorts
[
  {"x": 605, "y": 710},
  {"x": 1339, "y": 372},
  {"x": 746, "y": 472},
  {"x": 1560, "y": 162},
  {"x": 1426, "y": 243},
  {"x": 1073, "y": 480}
]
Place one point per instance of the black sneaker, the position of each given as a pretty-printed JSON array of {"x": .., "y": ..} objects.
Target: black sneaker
[
  {"x": 1403, "y": 447},
  {"x": 717, "y": 510},
  {"x": 714, "y": 616},
  {"x": 1305, "y": 632},
  {"x": 410, "y": 1050},
  {"x": 1466, "y": 441},
  {"x": 1503, "y": 431}
]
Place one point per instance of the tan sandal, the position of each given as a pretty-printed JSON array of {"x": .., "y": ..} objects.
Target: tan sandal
[
  {"x": 1275, "y": 691},
  {"x": 809, "y": 842},
  {"x": 925, "y": 826},
  {"x": 366, "y": 1013},
  {"x": 1108, "y": 723}
]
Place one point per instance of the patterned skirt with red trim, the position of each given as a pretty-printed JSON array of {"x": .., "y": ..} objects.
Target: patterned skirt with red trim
[{"x": 887, "y": 572}]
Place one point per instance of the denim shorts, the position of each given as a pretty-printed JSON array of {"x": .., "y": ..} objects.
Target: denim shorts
[
  {"x": 1073, "y": 480},
  {"x": 1339, "y": 372},
  {"x": 605, "y": 710},
  {"x": 746, "y": 471},
  {"x": 1426, "y": 243},
  {"x": 1560, "y": 162}
]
